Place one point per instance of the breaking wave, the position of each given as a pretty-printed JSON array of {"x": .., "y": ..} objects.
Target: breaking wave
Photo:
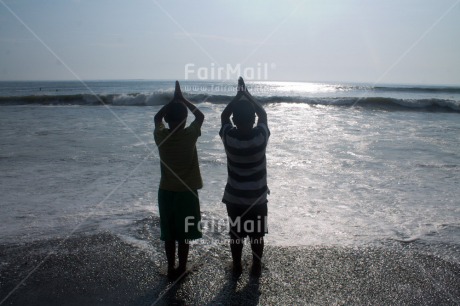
[{"x": 139, "y": 99}]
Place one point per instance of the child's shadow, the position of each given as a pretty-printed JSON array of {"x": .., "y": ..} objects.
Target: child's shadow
[{"x": 231, "y": 295}]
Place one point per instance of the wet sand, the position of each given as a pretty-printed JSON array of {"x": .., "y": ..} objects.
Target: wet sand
[{"x": 104, "y": 270}]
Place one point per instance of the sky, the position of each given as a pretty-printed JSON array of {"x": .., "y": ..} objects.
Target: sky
[{"x": 391, "y": 41}]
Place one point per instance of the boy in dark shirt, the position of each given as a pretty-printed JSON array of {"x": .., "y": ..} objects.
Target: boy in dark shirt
[{"x": 178, "y": 201}]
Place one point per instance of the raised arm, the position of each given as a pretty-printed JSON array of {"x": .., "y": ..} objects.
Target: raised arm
[
  {"x": 227, "y": 112},
  {"x": 199, "y": 116},
  {"x": 161, "y": 114},
  {"x": 260, "y": 111}
]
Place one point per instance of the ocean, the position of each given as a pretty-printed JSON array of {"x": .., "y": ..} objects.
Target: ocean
[{"x": 348, "y": 164}]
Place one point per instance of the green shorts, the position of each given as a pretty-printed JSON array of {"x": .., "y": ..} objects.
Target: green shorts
[{"x": 179, "y": 215}]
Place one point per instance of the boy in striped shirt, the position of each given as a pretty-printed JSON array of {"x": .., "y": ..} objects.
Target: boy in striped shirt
[{"x": 246, "y": 191}]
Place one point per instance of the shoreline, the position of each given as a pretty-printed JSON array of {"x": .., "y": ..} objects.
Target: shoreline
[{"x": 102, "y": 269}]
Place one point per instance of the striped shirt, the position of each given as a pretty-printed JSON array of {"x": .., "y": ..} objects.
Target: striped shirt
[
  {"x": 180, "y": 170},
  {"x": 246, "y": 165}
]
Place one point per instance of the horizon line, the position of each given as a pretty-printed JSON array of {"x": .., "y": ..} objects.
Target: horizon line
[{"x": 229, "y": 80}]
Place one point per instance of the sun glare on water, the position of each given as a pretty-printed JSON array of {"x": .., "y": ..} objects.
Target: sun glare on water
[{"x": 299, "y": 88}]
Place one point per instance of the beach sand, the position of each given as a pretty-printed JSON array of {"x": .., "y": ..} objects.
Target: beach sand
[{"x": 102, "y": 269}]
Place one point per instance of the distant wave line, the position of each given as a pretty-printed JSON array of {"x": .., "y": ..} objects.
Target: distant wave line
[{"x": 162, "y": 98}]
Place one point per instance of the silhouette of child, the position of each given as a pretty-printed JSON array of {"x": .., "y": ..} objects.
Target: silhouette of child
[
  {"x": 178, "y": 200},
  {"x": 246, "y": 191}
]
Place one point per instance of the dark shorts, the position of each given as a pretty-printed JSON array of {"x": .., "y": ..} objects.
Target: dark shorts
[
  {"x": 179, "y": 215},
  {"x": 247, "y": 220}
]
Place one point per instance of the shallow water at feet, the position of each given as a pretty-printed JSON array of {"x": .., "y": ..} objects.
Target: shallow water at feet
[{"x": 337, "y": 175}]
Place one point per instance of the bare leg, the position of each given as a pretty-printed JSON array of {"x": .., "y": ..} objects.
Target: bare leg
[
  {"x": 183, "y": 256},
  {"x": 170, "y": 249},
  {"x": 257, "y": 247},
  {"x": 236, "y": 247}
]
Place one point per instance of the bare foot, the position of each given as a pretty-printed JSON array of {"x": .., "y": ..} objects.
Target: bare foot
[
  {"x": 256, "y": 269},
  {"x": 181, "y": 272},
  {"x": 237, "y": 269},
  {"x": 171, "y": 273}
]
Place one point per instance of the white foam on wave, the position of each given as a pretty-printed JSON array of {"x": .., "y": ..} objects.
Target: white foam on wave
[{"x": 154, "y": 99}]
